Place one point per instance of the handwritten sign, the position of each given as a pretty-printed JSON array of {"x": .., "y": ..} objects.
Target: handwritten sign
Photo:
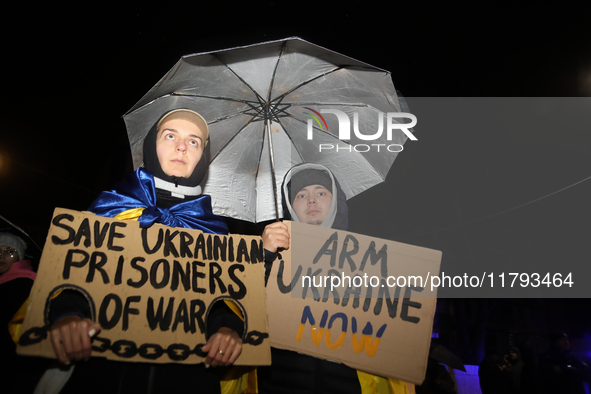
[
  {"x": 354, "y": 299},
  {"x": 150, "y": 289}
]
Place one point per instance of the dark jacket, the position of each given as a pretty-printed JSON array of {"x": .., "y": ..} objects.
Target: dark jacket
[
  {"x": 296, "y": 373},
  {"x": 99, "y": 375}
]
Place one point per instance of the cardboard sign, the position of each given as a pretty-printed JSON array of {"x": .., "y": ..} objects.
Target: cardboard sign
[
  {"x": 379, "y": 321},
  {"x": 150, "y": 289}
]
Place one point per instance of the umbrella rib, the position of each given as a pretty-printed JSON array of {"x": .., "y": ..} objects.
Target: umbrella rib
[
  {"x": 222, "y": 98},
  {"x": 291, "y": 139},
  {"x": 312, "y": 103},
  {"x": 254, "y": 106},
  {"x": 260, "y": 158},
  {"x": 282, "y": 96},
  {"x": 341, "y": 104},
  {"x": 248, "y": 102},
  {"x": 275, "y": 72},
  {"x": 267, "y": 117},
  {"x": 229, "y": 141},
  {"x": 241, "y": 79}
]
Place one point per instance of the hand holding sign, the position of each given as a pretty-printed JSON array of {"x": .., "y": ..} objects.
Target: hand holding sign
[
  {"x": 223, "y": 348},
  {"x": 275, "y": 237},
  {"x": 70, "y": 338}
]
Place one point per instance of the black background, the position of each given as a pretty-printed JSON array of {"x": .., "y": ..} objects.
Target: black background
[{"x": 70, "y": 73}]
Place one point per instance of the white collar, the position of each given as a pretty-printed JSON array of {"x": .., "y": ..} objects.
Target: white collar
[{"x": 177, "y": 191}]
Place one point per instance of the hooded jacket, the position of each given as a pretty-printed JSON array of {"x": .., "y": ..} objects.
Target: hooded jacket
[
  {"x": 149, "y": 195},
  {"x": 297, "y": 373}
]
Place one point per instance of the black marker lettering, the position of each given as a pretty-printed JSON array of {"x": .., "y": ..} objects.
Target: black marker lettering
[
  {"x": 215, "y": 271},
  {"x": 145, "y": 245},
  {"x": 100, "y": 234},
  {"x": 179, "y": 274},
  {"x": 128, "y": 310},
  {"x": 143, "y": 272},
  {"x": 329, "y": 248},
  {"x": 106, "y": 322},
  {"x": 197, "y": 274},
  {"x": 114, "y": 234},
  {"x": 165, "y": 274},
  {"x": 160, "y": 319},
  {"x": 407, "y": 303},
  {"x": 97, "y": 261},
  {"x": 241, "y": 292},
  {"x": 57, "y": 221},
  {"x": 83, "y": 231},
  {"x": 346, "y": 255},
  {"x": 70, "y": 262}
]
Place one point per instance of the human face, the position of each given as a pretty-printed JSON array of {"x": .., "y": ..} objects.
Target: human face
[
  {"x": 7, "y": 257},
  {"x": 513, "y": 354},
  {"x": 312, "y": 204},
  {"x": 179, "y": 146}
]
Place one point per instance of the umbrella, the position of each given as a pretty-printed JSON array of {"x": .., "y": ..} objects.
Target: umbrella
[
  {"x": 272, "y": 105},
  {"x": 443, "y": 355}
]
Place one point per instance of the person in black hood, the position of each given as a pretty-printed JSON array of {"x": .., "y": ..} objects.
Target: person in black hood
[
  {"x": 166, "y": 190},
  {"x": 312, "y": 195},
  {"x": 514, "y": 368}
]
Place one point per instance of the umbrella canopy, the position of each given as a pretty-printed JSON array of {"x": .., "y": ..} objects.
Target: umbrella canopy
[{"x": 265, "y": 105}]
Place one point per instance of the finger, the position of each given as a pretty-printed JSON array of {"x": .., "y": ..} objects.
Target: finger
[
  {"x": 66, "y": 341},
  {"x": 227, "y": 347},
  {"x": 276, "y": 228},
  {"x": 284, "y": 238},
  {"x": 214, "y": 346},
  {"x": 78, "y": 330},
  {"x": 57, "y": 347},
  {"x": 277, "y": 244},
  {"x": 281, "y": 225},
  {"x": 277, "y": 225},
  {"x": 285, "y": 244},
  {"x": 206, "y": 347},
  {"x": 221, "y": 358},
  {"x": 279, "y": 234},
  {"x": 279, "y": 230},
  {"x": 218, "y": 359},
  {"x": 224, "y": 350},
  {"x": 233, "y": 350},
  {"x": 280, "y": 238},
  {"x": 93, "y": 328},
  {"x": 235, "y": 353},
  {"x": 207, "y": 361},
  {"x": 86, "y": 345}
]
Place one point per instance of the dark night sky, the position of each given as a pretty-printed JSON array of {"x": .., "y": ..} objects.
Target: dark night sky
[{"x": 70, "y": 74}]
